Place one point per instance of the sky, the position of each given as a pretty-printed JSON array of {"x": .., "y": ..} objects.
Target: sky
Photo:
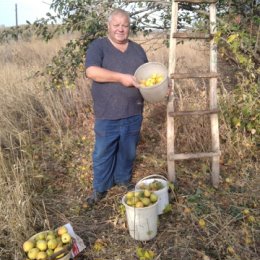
[{"x": 26, "y": 9}]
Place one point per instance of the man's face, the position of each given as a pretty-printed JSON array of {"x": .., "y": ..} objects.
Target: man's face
[{"x": 118, "y": 28}]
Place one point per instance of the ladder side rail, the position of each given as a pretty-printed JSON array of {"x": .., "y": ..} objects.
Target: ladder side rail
[
  {"x": 170, "y": 105},
  {"x": 213, "y": 99}
]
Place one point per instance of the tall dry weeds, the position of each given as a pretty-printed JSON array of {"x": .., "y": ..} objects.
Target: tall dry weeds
[{"x": 26, "y": 111}]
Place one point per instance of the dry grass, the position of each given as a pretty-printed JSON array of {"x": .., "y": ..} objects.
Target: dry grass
[{"x": 46, "y": 143}]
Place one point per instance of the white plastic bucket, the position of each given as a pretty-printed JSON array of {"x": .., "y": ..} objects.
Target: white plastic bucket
[
  {"x": 142, "y": 222},
  {"x": 163, "y": 195},
  {"x": 159, "y": 91}
]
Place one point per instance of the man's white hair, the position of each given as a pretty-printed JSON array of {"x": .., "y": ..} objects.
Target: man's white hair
[{"x": 118, "y": 11}]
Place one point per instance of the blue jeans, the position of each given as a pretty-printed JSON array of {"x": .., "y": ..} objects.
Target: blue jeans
[{"x": 115, "y": 151}]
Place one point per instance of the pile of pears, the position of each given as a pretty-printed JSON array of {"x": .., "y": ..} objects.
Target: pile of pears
[
  {"x": 140, "y": 199},
  {"x": 154, "y": 79},
  {"x": 152, "y": 186},
  {"x": 44, "y": 244}
]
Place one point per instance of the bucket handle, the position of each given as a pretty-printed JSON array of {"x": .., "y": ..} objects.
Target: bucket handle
[{"x": 152, "y": 176}]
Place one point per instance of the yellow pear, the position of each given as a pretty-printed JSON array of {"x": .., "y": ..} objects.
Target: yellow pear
[
  {"x": 42, "y": 245},
  {"x": 146, "y": 201},
  {"x": 147, "y": 193},
  {"x": 66, "y": 238},
  {"x": 32, "y": 254},
  {"x": 130, "y": 194},
  {"x": 41, "y": 255},
  {"x": 52, "y": 243},
  {"x": 50, "y": 236},
  {"x": 130, "y": 201},
  {"x": 139, "y": 204},
  {"x": 58, "y": 249},
  {"x": 153, "y": 197},
  {"x": 40, "y": 236},
  {"x": 202, "y": 223},
  {"x": 62, "y": 230},
  {"x": 27, "y": 245},
  {"x": 143, "y": 186},
  {"x": 49, "y": 252}
]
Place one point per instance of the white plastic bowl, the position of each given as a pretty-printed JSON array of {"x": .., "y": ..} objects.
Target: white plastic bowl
[{"x": 159, "y": 91}]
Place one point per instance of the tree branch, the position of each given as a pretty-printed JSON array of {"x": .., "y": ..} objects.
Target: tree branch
[{"x": 151, "y": 1}]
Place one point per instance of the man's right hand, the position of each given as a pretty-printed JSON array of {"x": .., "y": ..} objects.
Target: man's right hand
[
  {"x": 103, "y": 75},
  {"x": 128, "y": 80}
]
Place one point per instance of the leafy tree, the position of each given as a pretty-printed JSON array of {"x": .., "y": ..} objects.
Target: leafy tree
[
  {"x": 88, "y": 18},
  {"x": 238, "y": 41}
]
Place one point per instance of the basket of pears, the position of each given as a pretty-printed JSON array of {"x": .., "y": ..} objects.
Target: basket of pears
[{"x": 49, "y": 245}]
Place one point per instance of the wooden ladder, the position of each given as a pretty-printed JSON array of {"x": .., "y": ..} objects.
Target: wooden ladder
[{"x": 212, "y": 97}]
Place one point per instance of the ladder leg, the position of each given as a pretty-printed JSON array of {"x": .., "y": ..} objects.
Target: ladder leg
[
  {"x": 215, "y": 171},
  {"x": 170, "y": 105},
  {"x": 171, "y": 171},
  {"x": 170, "y": 143},
  {"x": 213, "y": 100}
]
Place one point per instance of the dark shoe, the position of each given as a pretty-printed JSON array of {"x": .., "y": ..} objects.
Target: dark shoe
[
  {"x": 95, "y": 197},
  {"x": 128, "y": 186}
]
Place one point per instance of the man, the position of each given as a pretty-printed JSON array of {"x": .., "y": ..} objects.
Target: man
[{"x": 118, "y": 105}]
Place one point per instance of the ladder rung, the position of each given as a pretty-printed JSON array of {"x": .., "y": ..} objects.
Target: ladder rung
[
  {"x": 195, "y": 112},
  {"x": 186, "y": 156},
  {"x": 192, "y": 35},
  {"x": 192, "y": 75},
  {"x": 197, "y": 1}
]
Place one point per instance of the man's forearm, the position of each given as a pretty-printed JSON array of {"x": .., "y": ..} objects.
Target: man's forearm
[{"x": 103, "y": 75}]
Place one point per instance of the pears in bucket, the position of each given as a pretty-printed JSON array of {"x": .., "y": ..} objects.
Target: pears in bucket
[
  {"x": 140, "y": 199},
  {"x": 154, "y": 79},
  {"x": 152, "y": 186}
]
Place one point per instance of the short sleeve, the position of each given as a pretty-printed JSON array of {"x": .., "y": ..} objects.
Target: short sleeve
[{"x": 94, "y": 54}]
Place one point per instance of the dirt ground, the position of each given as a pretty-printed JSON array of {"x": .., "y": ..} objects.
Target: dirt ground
[{"x": 104, "y": 230}]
